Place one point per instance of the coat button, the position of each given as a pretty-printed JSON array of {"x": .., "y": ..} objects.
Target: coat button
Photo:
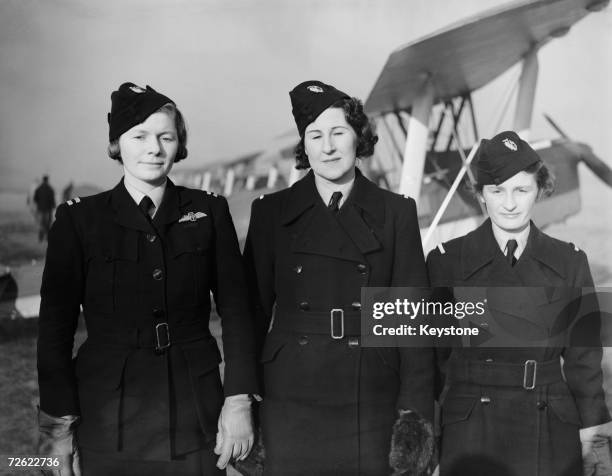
[
  {"x": 298, "y": 269},
  {"x": 304, "y": 306},
  {"x": 151, "y": 237},
  {"x": 158, "y": 313},
  {"x": 541, "y": 405},
  {"x": 362, "y": 268},
  {"x": 158, "y": 274},
  {"x": 303, "y": 340},
  {"x": 484, "y": 325},
  {"x": 485, "y": 400},
  {"x": 489, "y": 360},
  {"x": 356, "y": 306}
]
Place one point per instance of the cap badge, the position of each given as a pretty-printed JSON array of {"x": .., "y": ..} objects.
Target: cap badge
[
  {"x": 510, "y": 144},
  {"x": 137, "y": 89},
  {"x": 315, "y": 89}
]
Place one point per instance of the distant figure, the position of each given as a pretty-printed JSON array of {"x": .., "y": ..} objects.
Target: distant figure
[
  {"x": 67, "y": 192},
  {"x": 44, "y": 198},
  {"x": 30, "y": 198}
]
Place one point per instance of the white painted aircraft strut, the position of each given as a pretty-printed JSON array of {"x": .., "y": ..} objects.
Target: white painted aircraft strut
[
  {"x": 416, "y": 143},
  {"x": 526, "y": 94}
]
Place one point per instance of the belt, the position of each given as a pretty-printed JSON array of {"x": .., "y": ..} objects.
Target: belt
[
  {"x": 527, "y": 375},
  {"x": 159, "y": 336},
  {"x": 336, "y": 323}
]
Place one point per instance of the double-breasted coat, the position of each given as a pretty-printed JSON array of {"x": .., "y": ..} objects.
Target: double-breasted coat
[
  {"x": 329, "y": 404},
  {"x": 493, "y": 421},
  {"x": 146, "y": 381}
]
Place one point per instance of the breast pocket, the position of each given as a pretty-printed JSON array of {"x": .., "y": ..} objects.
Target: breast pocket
[
  {"x": 190, "y": 264},
  {"x": 113, "y": 275},
  {"x": 99, "y": 295}
]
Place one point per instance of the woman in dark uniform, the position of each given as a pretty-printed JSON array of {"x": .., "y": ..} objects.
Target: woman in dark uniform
[
  {"x": 144, "y": 393},
  {"x": 329, "y": 404},
  {"x": 517, "y": 410}
]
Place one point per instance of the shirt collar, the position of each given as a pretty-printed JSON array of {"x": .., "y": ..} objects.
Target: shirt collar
[
  {"x": 326, "y": 190},
  {"x": 156, "y": 195},
  {"x": 502, "y": 237}
]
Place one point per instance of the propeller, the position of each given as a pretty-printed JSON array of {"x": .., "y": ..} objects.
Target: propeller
[{"x": 585, "y": 153}]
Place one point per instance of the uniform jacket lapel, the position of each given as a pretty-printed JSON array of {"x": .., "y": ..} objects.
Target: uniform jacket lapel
[
  {"x": 363, "y": 215},
  {"x": 126, "y": 210},
  {"x": 541, "y": 256},
  {"x": 171, "y": 207},
  {"x": 480, "y": 253},
  {"x": 506, "y": 291},
  {"x": 535, "y": 268},
  {"x": 316, "y": 231}
]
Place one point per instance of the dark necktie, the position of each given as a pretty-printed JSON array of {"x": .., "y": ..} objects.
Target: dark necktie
[
  {"x": 334, "y": 201},
  {"x": 146, "y": 206},
  {"x": 510, "y": 249}
]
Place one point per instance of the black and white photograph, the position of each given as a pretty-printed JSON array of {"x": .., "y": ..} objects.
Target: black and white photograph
[{"x": 201, "y": 199}]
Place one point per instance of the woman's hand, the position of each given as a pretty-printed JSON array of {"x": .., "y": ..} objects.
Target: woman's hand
[
  {"x": 57, "y": 439},
  {"x": 235, "y": 436},
  {"x": 596, "y": 458}
]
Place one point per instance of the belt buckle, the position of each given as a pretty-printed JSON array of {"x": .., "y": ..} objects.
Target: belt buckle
[
  {"x": 159, "y": 347},
  {"x": 534, "y": 365},
  {"x": 333, "y": 315}
]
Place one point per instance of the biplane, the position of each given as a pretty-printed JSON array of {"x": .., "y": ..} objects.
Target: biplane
[{"x": 425, "y": 116}]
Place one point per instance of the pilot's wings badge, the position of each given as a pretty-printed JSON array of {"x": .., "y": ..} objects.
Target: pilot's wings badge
[{"x": 192, "y": 216}]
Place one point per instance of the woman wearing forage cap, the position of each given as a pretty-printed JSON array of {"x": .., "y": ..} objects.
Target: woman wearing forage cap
[
  {"x": 329, "y": 404},
  {"x": 516, "y": 410},
  {"x": 144, "y": 395}
]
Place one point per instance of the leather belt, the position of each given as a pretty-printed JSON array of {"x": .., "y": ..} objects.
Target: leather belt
[
  {"x": 528, "y": 375},
  {"x": 159, "y": 336},
  {"x": 336, "y": 323}
]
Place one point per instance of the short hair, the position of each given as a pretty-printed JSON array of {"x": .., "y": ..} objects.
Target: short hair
[
  {"x": 114, "y": 151},
  {"x": 545, "y": 180},
  {"x": 358, "y": 120}
]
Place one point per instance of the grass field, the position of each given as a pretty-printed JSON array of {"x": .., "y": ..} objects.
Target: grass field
[{"x": 18, "y": 398}]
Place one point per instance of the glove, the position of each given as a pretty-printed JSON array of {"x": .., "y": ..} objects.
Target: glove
[
  {"x": 235, "y": 430},
  {"x": 596, "y": 460},
  {"x": 412, "y": 445},
  {"x": 254, "y": 464},
  {"x": 56, "y": 439}
]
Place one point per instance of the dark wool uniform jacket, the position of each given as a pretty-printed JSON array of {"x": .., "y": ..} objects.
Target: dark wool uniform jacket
[
  {"x": 547, "y": 272},
  {"x": 301, "y": 259},
  {"x": 130, "y": 275}
]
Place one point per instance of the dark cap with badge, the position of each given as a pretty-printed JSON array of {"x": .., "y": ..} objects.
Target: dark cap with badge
[
  {"x": 131, "y": 105},
  {"x": 309, "y": 99},
  {"x": 501, "y": 157}
]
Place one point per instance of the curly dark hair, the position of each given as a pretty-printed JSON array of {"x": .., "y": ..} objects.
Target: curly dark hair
[
  {"x": 545, "y": 180},
  {"x": 181, "y": 132},
  {"x": 361, "y": 124}
]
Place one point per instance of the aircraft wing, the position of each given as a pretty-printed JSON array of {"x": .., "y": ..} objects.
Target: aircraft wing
[{"x": 468, "y": 55}]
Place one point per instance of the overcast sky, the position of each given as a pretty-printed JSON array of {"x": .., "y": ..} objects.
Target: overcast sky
[{"x": 229, "y": 65}]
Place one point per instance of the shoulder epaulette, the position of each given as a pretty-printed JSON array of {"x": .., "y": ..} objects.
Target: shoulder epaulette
[
  {"x": 575, "y": 247},
  {"x": 261, "y": 197},
  {"x": 211, "y": 193},
  {"x": 73, "y": 201},
  {"x": 441, "y": 248}
]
